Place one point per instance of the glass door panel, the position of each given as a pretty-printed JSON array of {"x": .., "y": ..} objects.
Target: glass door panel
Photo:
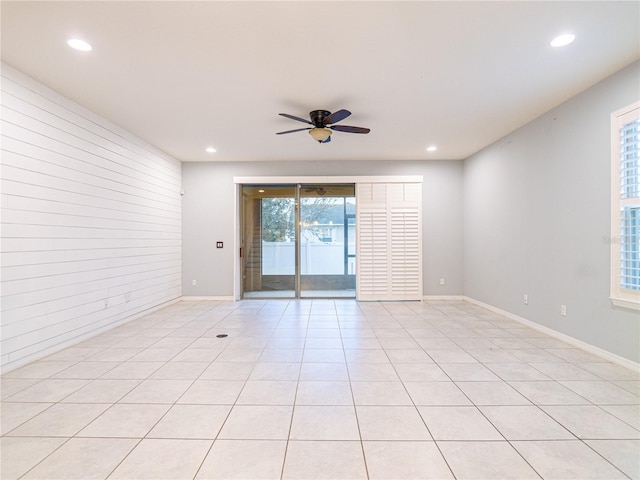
[
  {"x": 327, "y": 241},
  {"x": 298, "y": 241},
  {"x": 269, "y": 241}
]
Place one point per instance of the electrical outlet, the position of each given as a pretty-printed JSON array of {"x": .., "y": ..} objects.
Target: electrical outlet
[
  {"x": 525, "y": 299},
  {"x": 442, "y": 281},
  {"x": 563, "y": 310},
  {"x": 193, "y": 282}
]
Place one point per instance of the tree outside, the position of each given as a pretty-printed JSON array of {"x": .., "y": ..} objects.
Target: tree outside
[{"x": 278, "y": 217}]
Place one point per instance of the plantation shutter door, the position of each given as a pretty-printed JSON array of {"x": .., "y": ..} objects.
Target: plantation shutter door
[
  {"x": 372, "y": 241},
  {"x": 389, "y": 254}
]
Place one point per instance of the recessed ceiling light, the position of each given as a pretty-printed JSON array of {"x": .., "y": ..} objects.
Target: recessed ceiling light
[
  {"x": 210, "y": 150},
  {"x": 79, "y": 44},
  {"x": 432, "y": 148},
  {"x": 563, "y": 40}
]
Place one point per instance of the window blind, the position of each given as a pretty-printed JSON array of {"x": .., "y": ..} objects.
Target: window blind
[
  {"x": 629, "y": 206},
  {"x": 625, "y": 228},
  {"x": 629, "y": 248}
]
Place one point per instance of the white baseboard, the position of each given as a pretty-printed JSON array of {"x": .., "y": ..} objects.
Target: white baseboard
[
  {"x": 221, "y": 298},
  {"x": 428, "y": 298},
  {"x": 8, "y": 366},
  {"x": 611, "y": 357}
]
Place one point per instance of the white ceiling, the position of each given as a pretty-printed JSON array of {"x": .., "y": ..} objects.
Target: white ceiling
[{"x": 185, "y": 75}]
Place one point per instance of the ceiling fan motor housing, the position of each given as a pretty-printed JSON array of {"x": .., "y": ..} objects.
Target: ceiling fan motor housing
[{"x": 318, "y": 116}]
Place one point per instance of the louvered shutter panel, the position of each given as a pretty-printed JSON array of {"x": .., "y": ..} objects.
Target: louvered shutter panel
[
  {"x": 629, "y": 192},
  {"x": 389, "y": 255}
]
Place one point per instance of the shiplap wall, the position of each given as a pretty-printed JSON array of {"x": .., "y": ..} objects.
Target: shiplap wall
[{"x": 91, "y": 223}]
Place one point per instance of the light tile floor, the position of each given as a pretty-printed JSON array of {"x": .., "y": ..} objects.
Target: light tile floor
[{"x": 321, "y": 389}]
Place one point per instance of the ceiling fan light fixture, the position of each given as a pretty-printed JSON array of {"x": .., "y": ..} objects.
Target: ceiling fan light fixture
[
  {"x": 79, "y": 44},
  {"x": 563, "y": 40},
  {"x": 320, "y": 134}
]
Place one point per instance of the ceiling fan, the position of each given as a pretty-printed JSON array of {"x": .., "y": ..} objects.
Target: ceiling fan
[
  {"x": 322, "y": 124},
  {"x": 319, "y": 190}
]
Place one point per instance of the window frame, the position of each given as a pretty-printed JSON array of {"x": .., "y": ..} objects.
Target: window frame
[{"x": 621, "y": 297}]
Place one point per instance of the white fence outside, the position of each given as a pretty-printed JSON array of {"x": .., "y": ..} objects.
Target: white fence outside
[{"x": 278, "y": 258}]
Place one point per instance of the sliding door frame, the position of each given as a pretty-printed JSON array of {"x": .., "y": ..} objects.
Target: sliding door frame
[{"x": 295, "y": 180}]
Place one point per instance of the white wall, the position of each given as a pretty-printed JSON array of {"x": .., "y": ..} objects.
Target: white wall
[
  {"x": 91, "y": 223},
  {"x": 537, "y": 220},
  {"x": 209, "y": 216}
]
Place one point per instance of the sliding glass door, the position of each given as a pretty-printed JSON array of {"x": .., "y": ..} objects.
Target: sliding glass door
[
  {"x": 327, "y": 241},
  {"x": 269, "y": 241},
  {"x": 298, "y": 241}
]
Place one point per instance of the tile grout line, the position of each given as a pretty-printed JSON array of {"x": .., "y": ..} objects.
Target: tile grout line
[
  {"x": 353, "y": 399},
  {"x": 293, "y": 408}
]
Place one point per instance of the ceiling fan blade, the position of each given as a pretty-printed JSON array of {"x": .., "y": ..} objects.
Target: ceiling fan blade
[
  {"x": 291, "y": 131},
  {"x": 295, "y": 118},
  {"x": 336, "y": 117},
  {"x": 348, "y": 129}
]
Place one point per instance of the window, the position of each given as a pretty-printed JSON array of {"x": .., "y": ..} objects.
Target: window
[{"x": 625, "y": 212}]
